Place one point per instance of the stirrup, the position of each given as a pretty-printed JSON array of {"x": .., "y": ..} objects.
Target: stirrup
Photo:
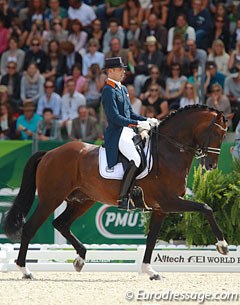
[
  {"x": 137, "y": 196},
  {"x": 126, "y": 204}
]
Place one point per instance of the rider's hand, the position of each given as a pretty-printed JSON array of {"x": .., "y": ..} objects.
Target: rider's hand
[
  {"x": 153, "y": 122},
  {"x": 144, "y": 125}
]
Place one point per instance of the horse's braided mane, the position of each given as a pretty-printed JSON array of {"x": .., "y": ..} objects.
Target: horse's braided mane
[{"x": 184, "y": 109}]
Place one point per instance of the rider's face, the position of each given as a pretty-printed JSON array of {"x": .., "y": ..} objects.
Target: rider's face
[{"x": 117, "y": 74}]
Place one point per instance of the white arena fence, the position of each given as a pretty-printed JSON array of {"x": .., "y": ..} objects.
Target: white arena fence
[{"x": 120, "y": 258}]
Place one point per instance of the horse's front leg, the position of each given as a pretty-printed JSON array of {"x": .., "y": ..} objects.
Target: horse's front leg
[
  {"x": 181, "y": 205},
  {"x": 154, "y": 228}
]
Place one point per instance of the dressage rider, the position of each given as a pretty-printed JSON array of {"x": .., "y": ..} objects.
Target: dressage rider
[{"x": 119, "y": 132}]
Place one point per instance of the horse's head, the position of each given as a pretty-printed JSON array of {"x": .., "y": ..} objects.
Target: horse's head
[{"x": 209, "y": 137}]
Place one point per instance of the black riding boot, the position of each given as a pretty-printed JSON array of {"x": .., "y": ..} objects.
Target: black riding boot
[{"x": 129, "y": 176}]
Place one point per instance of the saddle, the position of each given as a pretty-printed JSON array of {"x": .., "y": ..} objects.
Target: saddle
[{"x": 117, "y": 172}]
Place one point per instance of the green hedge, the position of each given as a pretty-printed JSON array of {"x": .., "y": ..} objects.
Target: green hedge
[{"x": 222, "y": 193}]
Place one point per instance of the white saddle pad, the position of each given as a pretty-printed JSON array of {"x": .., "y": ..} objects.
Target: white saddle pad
[{"x": 117, "y": 171}]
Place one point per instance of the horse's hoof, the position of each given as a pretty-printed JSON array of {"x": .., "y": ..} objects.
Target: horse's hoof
[
  {"x": 155, "y": 277},
  {"x": 78, "y": 263},
  {"x": 28, "y": 277},
  {"x": 222, "y": 247}
]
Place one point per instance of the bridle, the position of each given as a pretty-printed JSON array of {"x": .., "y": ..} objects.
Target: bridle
[{"x": 202, "y": 150}]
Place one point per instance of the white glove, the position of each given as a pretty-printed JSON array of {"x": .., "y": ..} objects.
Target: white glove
[
  {"x": 153, "y": 122},
  {"x": 144, "y": 125}
]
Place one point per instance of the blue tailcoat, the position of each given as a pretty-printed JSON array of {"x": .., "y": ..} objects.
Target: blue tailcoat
[{"x": 119, "y": 113}]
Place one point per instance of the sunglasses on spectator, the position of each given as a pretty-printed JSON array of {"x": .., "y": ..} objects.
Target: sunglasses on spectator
[
  {"x": 153, "y": 89},
  {"x": 55, "y": 23},
  {"x": 49, "y": 86},
  {"x": 188, "y": 87},
  {"x": 35, "y": 44},
  {"x": 216, "y": 90},
  {"x": 11, "y": 67},
  {"x": 220, "y": 20},
  {"x": 175, "y": 69},
  {"x": 154, "y": 72}
]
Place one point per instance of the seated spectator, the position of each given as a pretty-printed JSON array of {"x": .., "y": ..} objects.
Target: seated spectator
[
  {"x": 7, "y": 122},
  {"x": 36, "y": 11},
  {"x": 93, "y": 56},
  {"x": 4, "y": 36},
  {"x": 6, "y": 13},
  {"x": 195, "y": 54},
  {"x": 182, "y": 30},
  {"x": 37, "y": 31},
  {"x": 4, "y": 99},
  {"x": 194, "y": 77},
  {"x": 220, "y": 102},
  {"x": 55, "y": 65},
  {"x": 177, "y": 55},
  {"x": 81, "y": 11},
  {"x": 160, "y": 9},
  {"x": 176, "y": 7},
  {"x": 49, "y": 127},
  {"x": 134, "y": 54},
  {"x": 32, "y": 85},
  {"x": 57, "y": 33},
  {"x": 55, "y": 10},
  {"x": 132, "y": 11},
  {"x": 35, "y": 54},
  {"x": 77, "y": 77},
  {"x": 200, "y": 19},
  {"x": 27, "y": 123},
  {"x": 234, "y": 58},
  {"x": 113, "y": 31},
  {"x": 189, "y": 96},
  {"x": 12, "y": 81},
  {"x": 133, "y": 32},
  {"x": 84, "y": 127},
  {"x": 175, "y": 85},
  {"x": 236, "y": 35},
  {"x": 212, "y": 76},
  {"x": 219, "y": 56},
  {"x": 70, "y": 103},
  {"x": 232, "y": 91},
  {"x": 154, "y": 78},
  {"x": 95, "y": 81},
  {"x": 72, "y": 57},
  {"x": 220, "y": 32},
  {"x": 16, "y": 5},
  {"x": 136, "y": 103},
  {"x": 222, "y": 11},
  {"x": 18, "y": 32},
  {"x": 154, "y": 28},
  {"x": 236, "y": 149},
  {"x": 97, "y": 32},
  {"x": 117, "y": 51},
  {"x": 78, "y": 37},
  {"x": 50, "y": 100},
  {"x": 156, "y": 100},
  {"x": 115, "y": 9},
  {"x": 12, "y": 54},
  {"x": 151, "y": 56}
]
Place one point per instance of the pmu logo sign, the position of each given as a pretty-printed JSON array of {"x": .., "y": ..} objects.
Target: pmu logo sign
[{"x": 114, "y": 224}]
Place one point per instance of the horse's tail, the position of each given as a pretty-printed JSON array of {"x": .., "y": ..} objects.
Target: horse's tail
[{"x": 23, "y": 202}]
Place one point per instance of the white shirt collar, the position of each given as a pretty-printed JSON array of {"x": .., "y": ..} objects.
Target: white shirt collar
[{"x": 117, "y": 83}]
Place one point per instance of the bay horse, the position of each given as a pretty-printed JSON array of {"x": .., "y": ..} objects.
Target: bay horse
[{"x": 70, "y": 172}]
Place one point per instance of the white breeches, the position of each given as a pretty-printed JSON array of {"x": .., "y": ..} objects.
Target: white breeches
[{"x": 127, "y": 147}]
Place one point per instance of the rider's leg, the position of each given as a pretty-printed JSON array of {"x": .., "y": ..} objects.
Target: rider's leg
[{"x": 128, "y": 149}]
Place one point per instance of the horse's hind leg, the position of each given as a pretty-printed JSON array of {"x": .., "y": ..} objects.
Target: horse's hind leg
[
  {"x": 30, "y": 228},
  {"x": 63, "y": 222}
]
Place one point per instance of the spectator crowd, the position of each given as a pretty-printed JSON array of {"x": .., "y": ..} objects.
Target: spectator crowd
[{"x": 52, "y": 54}]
